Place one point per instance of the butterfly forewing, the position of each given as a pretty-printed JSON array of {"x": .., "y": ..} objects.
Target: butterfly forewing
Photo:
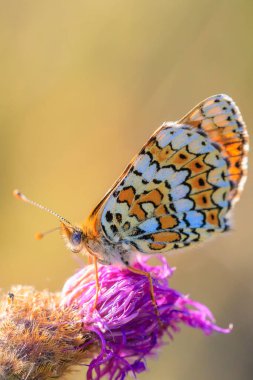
[{"x": 180, "y": 187}]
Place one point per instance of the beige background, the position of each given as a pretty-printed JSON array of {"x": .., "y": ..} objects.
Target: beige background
[{"x": 83, "y": 85}]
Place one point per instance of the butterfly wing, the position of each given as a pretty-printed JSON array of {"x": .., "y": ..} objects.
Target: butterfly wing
[
  {"x": 222, "y": 121},
  {"x": 181, "y": 186}
]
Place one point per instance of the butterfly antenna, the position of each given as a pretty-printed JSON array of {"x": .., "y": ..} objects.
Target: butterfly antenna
[
  {"x": 17, "y": 194},
  {"x": 40, "y": 235}
]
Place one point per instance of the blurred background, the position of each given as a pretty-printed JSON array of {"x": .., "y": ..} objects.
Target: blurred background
[{"x": 83, "y": 85}]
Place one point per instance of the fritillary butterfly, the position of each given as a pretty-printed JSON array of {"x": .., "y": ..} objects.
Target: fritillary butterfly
[{"x": 178, "y": 190}]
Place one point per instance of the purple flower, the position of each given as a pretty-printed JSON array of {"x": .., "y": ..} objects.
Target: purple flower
[{"x": 125, "y": 321}]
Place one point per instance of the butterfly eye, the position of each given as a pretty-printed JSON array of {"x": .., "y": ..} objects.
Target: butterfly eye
[{"x": 76, "y": 237}]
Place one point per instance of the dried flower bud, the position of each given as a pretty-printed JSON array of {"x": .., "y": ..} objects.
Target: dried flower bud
[{"x": 38, "y": 338}]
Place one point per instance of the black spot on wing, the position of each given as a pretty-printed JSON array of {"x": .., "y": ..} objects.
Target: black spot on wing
[
  {"x": 202, "y": 133},
  {"x": 118, "y": 217},
  {"x": 114, "y": 228},
  {"x": 217, "y": 146},
  {"x": 109, "y": 216}
]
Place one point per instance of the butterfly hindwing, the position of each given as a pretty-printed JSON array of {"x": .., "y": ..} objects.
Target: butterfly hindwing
[
  {"x": 180, "y": 187},
  {"x": 221, "y": 119}
]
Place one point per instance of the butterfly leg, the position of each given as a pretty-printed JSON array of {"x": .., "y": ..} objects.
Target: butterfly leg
[
  {"x": 151, "y": 286},
  {"x": 97, "y": 282}
]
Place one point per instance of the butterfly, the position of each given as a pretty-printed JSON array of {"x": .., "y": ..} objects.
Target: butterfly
[{"x": 178, "y": 190}]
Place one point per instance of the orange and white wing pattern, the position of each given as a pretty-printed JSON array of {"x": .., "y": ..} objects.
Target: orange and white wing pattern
[
  {"x": 222, "y": 121},
  {"x": 180, "y": 187}
]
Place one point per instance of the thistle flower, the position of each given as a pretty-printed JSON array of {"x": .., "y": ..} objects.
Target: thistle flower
[{"x": 43, "y": 334}]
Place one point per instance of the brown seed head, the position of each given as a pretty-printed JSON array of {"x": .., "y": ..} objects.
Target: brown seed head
[{"x": 39, "y": 339}]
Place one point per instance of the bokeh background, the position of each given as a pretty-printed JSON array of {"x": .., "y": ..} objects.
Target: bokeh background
[{"x": 83, "y": 85}]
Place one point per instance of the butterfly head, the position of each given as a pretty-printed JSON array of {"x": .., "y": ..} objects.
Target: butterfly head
[{"x": 74, "y": 237}]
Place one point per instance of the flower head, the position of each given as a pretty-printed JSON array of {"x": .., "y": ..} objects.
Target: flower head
[{"x": 126, "y": 321}]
